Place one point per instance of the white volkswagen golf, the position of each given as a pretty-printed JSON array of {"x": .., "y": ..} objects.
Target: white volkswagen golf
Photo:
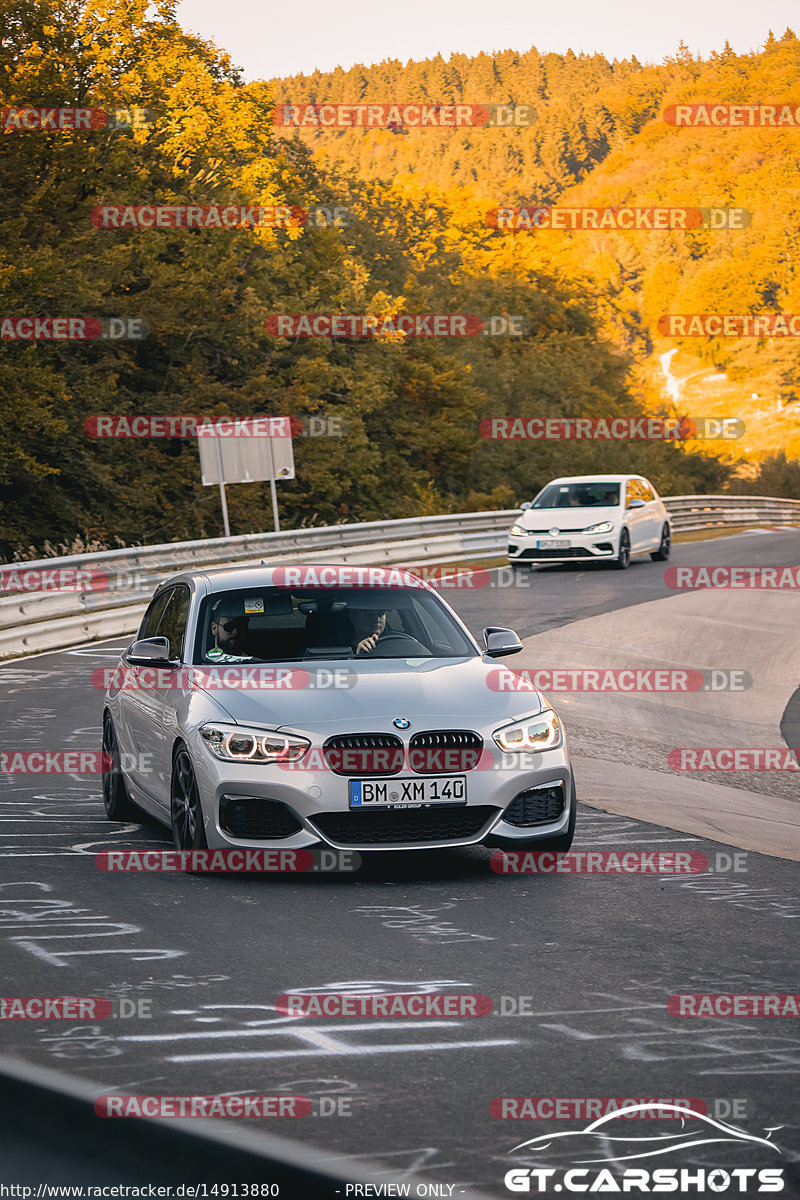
[{"x": 589, "y": 518}]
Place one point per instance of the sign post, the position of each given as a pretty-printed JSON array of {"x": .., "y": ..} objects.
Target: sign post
[{"x": 228, "y": 457}]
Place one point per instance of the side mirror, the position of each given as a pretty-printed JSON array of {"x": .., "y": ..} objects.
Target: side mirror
[
  {"x": 499, "y": 641},
  {"x": 149, "y": 652},
  {"x": 636, "y": 503},
  {"x": 527, "y": 504}
]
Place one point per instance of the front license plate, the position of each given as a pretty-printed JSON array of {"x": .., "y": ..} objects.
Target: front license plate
[
  {"x": 407, "y": 793},
  {"x": 554, "y": 543}
]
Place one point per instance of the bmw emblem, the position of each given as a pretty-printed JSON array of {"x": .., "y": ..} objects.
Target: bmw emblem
[{"x": 401, "y": 723}]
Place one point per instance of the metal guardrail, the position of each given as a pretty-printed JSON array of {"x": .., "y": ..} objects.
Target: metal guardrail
[{"x": 123, "y": 580}]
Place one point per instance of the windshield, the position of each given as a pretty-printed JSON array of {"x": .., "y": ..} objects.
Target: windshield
[
  {"x": 578, "y": 495},
  {"x": 282, "y": 625}
]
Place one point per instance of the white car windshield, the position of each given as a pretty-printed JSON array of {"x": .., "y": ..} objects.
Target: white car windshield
[
  {"x": 578, "y": 495},
  {"x": 276, "y": 624}
]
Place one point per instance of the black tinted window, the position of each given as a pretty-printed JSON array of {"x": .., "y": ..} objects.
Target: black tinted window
[{"x": 280, "y": 625}]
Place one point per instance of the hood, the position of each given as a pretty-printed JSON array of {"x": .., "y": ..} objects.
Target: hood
[
  {"x": 455, "y": 694},
  {"x": 565, "y": 519}
]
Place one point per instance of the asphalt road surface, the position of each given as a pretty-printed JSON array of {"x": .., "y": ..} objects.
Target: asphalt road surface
[{"x": 586, "y": 963}]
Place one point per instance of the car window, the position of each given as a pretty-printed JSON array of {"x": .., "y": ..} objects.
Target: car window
[
  {"x": 282, "y": 625},
  {"x": 587, "y": 494},
  {"x": 172, "y": 624},
  {"x": 646, "y": 491},
  {"x": 151, "y": 618},
  {"x": 634, "y": 491}
]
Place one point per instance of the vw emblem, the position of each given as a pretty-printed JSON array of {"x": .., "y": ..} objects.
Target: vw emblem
[
  {"x": 401, "y": 723},
  {"x": 554, "y": 532}
]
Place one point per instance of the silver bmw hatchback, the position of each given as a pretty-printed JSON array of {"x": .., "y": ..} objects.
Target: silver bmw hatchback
[{"x": 329, "y": 706}]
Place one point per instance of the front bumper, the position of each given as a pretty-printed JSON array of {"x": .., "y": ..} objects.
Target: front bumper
[
  {"x": 317, "y": 805},
  {"x": 582, "y": 548}
]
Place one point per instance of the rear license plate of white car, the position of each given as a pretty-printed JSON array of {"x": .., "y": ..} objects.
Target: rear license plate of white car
[
  {"x": 407, "y": 793},
  {"x": 554, "y": 543}
]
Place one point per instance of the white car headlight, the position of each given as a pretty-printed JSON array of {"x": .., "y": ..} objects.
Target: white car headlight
[
  {"x": 518, "y": 531},
  {"x": 235, "y": 743},
  {"x": 542, "y": 732},
  {"x": 603, "y": 527}
]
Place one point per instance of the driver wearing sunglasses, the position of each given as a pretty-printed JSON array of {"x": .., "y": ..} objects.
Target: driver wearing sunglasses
[{"x": 229, "y": 628}]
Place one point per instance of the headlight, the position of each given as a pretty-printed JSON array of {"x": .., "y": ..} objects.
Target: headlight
[
  {"x": 518, "y": 531},
  {"x": 603, "y": 527},
  {"x": 542, "y": 732},
  {"x": 235, "y": 743}
]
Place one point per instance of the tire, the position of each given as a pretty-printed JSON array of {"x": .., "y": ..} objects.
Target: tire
[
  {"x": 118, "y": 804},
  {"x": 623, "y": 559},
  {"x": 185, "y": 809},
  {"x": 662, "y": 553}
]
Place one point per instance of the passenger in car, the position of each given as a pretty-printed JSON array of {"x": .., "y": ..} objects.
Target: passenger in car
[{"x": 229, "y": 627}]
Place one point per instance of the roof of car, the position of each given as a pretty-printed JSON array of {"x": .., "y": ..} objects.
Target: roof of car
[
  {"x": 301, "y": 576},
  {"x": 595, "y": 478}
]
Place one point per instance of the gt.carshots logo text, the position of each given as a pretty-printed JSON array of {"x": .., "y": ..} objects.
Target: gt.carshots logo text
[
  {"x": 680, "y": 1181},
  {"x": 733, "y": 577},
  {"x": 398, "y": 327},
  {"x": 393, "y": 116}
]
